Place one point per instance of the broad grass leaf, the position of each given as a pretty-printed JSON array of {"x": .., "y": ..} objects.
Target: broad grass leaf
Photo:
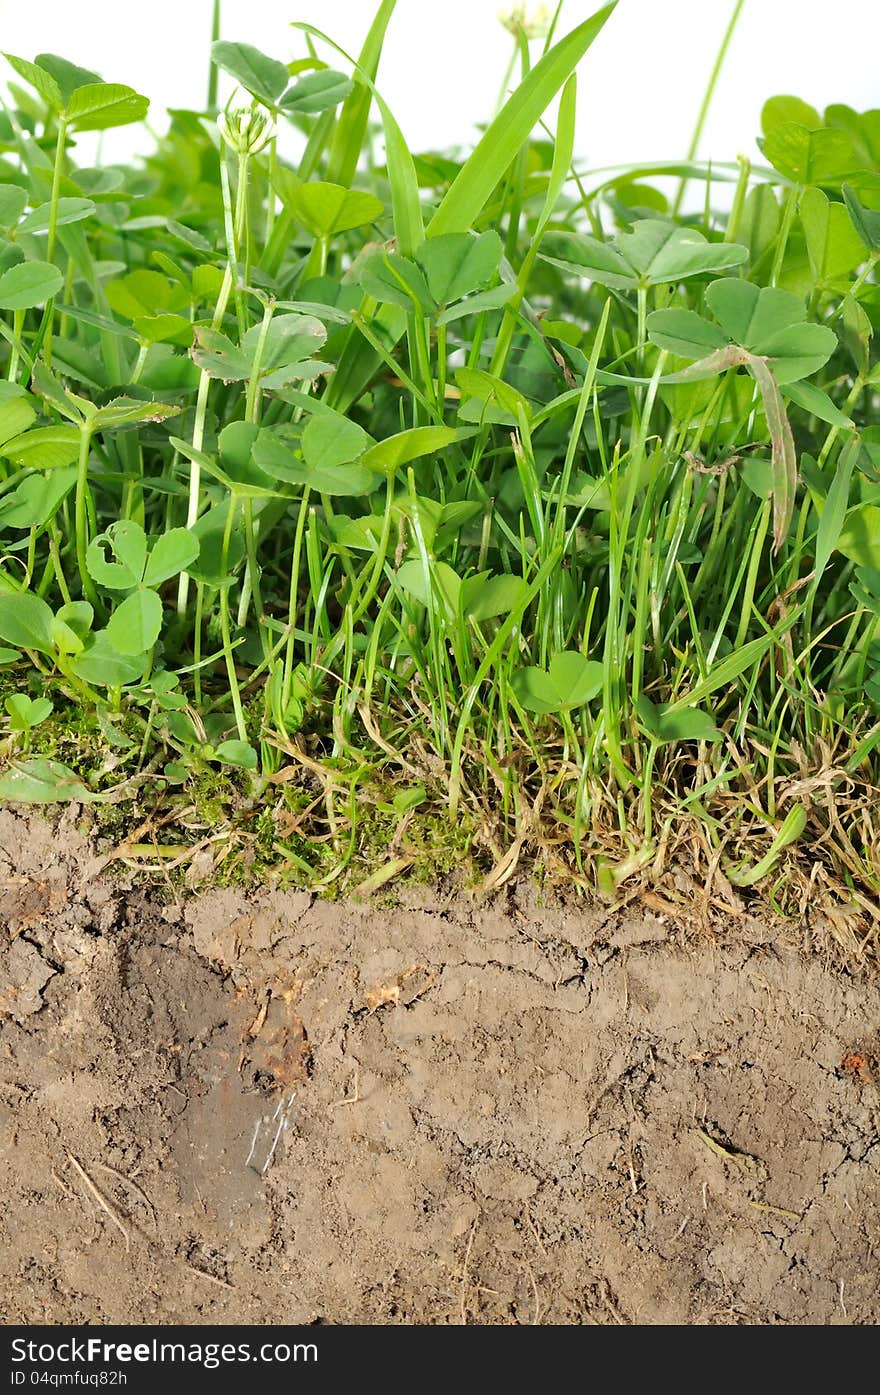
[
  {"x": 813, "y": 400},
  {"x": 836, "y": 504},
  {"x": 144, "y": 292},
  {"x": 667, "y": 723},
  {"x": 571, "y": 681},
  {"x": 858, "y": 331},
  {"x": 859, "y": 538},
  {"x": 457, "y": 264},
  {"x": 760, "y": 221},
  {"x": 36, "y": 500},
  {"x": 236, "y": 469},
  {"x": 238, "y": 753},
  {"x": 69, "y": 210},
  {"x": 29, "y": 284},
  {"x": 102, "y": 105},
  {"x": 484, "y": 597},
  {"x": 588, "y": 257},
  {"x": 127, "y": 411},
  {"x": 563, "y": 153},
  {"x": 316, "y": 92},
  {"x": 42, "y": 781},
  {"x": 350, "y": 130},
  {"x": 863, "y": 129},
  {"x": 290, "y": 340},
  {"x": 126, "y": 541},
  {"x": 43, "y": 448},
  {"x": 798, "y": 351},
  {"x": 441, "y": 584},
  {"x": 16, "y": 415},
  {"x": 67, "y": 75},
  {"x": 76, "y": 619},
  {"x": 327, "y": 209},
  {"x": 659, "y": 252},
  {"x": 218, "y": 356},
  {"x": 103, "y": 665},
  {"x": 505, "y": 136},
  {"x": 834, "y": 245},
  {"x": 731, "y": 666},
  {"x": 684, "y": 332},
  {"x": 780, "y": 111},
  {"x": 395, "y": 280},
  {"x": 40, "y": 79},
  {"x": 749, "y": 314},
  {"x": 26, "y": 621},
  {"x": 866, "y": 221},
  {"x": 12, "y": 204},
  {"x": 810, "y": 156},
  {"x": 264, "y": 77},
  {"x": 493, "y": 299},
  {"x": 485, "y": 387},
  {"x": 171, "y": 553},
  {"x": 395, "y": 451},
  {"x": 164, "y": 329},
  {"x": 136, "y": 623},
  {"x": 792, "y": 827},
  {"x": 209, "y": 529},
  {"x": 236, "y": 442},
  {"x": 280, "y": 460},
  {"x": 26, "y": 712},
  {"x": 406, "y": 208},
  {"x": 330, "y": 439}
]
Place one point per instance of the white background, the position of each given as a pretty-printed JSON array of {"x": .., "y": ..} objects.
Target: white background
[{"x": 640, "y": 86}]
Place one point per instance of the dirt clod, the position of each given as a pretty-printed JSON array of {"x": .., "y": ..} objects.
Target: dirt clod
[{"x": 550, "y": 1115}]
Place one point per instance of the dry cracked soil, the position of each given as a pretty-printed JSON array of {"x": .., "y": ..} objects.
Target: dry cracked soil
[{"x": 266, "y": 1108}]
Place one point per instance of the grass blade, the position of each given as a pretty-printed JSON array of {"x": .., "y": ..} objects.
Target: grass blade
[{"x": 512, "y": 126}]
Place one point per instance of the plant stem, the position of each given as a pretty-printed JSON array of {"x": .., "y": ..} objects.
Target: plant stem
[
  {"x": 81, "y": 515},
  {"x": 707, "y": 99},
  {"x": 58, "y": 168},
  {"x": 212, "y": 68}
]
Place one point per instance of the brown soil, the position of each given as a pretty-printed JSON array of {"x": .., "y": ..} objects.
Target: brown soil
[{"x": 501, "y": 1114}]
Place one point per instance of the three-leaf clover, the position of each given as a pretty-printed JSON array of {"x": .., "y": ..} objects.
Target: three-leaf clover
[{"x": 765, "y": 330}]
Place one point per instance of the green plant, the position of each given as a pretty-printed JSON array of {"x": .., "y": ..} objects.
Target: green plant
[{"x": 537, "y": 490}]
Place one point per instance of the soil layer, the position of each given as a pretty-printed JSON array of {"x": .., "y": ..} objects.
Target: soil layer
[{"x": 265, "y": 1108}]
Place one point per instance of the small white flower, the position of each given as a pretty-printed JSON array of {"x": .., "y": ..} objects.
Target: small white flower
[
  {"x": 246, "y": 130},
  {"x": 533, "y": 20}
]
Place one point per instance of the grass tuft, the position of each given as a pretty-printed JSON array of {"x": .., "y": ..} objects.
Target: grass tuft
[{"x": 369, "y": 513}]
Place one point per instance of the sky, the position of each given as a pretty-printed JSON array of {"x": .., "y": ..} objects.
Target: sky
[{"x": 639, "y": 87}]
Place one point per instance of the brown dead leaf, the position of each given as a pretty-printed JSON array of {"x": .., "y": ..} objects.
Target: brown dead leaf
[
  {"x": 390, "y": 991},
  {"x": 26, "y": 902},
  {"x": 859, "y": 1066},
  {"x": 276, "y": 1054}
]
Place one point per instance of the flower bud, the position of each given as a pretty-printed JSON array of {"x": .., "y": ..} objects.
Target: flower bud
[
  {"x": 533, "y": 20},
  {"x": 246, "y": 130}
]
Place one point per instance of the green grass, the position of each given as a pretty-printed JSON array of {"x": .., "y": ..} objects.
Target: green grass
[{"x": 386, "y": 509}]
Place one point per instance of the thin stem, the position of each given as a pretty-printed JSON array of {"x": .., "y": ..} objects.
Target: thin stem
[
  {"x": 58, "y": 169},
  {"x": 225, "y": 629},
  {"x": 81, "y": 514},
  {"x": 707, "y": 99},
  {"x": 213, "y": 72}
]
